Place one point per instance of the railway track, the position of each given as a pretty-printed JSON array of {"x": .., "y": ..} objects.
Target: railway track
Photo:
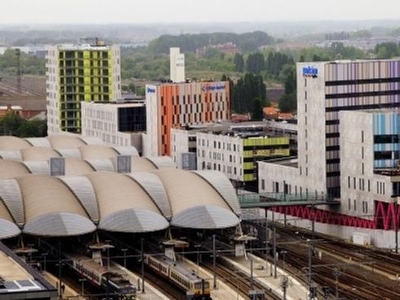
[
  {"x": 237, "y": 280},
  {"x": 345, "y": 270}
]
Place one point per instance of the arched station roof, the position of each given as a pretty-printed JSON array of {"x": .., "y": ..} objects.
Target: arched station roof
[
  {"x": 44, "y": 205},
  {"x": 77, "y": 166},
  {"x": 34, "y": 149},
  {"x": 81, "y": 156}
]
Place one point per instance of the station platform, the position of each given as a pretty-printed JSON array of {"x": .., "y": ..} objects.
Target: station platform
[
  {"x": 263, "y": 272},
  {"x": 223, "y": 292},
  {"x": 68, "y": 292},
  {"x": 150, "y": 292}
]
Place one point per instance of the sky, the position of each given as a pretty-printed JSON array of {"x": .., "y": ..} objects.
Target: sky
[{"x": 199, "y": 11}]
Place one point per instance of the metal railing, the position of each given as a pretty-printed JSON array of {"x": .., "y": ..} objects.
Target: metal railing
[{"x": 273, "y": 199}]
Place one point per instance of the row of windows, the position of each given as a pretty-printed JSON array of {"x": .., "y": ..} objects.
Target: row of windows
[
  {"x": 354, "y": 206},
  {"x": 75, "y": 54},
  {"x": 218, "y": 156},
  {"x": 282, "y": 187},
  {"x": 222, "y": 168},
  {"x": 100, "y": 114},
  {"x": 181, "y": 281},
  {"x": 362, "y": 81},
  {"x": 363, "y": 94},
  {"x": 212, "y": 98},
  {"x": 386, "y": 155},
  {"x": 387, "y": 139},
  {"x": 109, "y": 138},
  {"x": 352, "y": 183},
  {"x": 218, "y": 145}
]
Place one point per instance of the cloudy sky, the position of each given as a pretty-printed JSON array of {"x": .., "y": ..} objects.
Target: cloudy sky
[{"x": 173, "y": 11}]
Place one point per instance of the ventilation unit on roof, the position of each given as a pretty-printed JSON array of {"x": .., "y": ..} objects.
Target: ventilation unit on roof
[
  {"x": 57, "y": 166},
  {"x": 124, "y": 164}
]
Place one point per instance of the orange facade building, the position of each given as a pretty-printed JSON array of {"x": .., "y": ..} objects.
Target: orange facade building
[{"x": 175, "y": 105}]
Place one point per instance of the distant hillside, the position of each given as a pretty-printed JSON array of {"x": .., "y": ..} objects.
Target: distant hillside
[
  {"x": 246, "y": 42},
  {"x": 13, "y": 35}
]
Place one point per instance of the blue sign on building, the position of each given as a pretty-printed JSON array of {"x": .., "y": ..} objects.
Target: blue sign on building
[
  {"x": 310, "y": 72},
  {"x": 150, "y": 90},
  {"x": 215, "y": 87}
]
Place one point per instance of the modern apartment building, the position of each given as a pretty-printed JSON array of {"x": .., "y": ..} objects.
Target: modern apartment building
[
  {"x": 177, "y": 105},
  {"x": 79, "y": 73}
]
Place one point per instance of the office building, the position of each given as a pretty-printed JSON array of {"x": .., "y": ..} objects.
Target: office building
[
  {"x": 116, "y": 123},
  {"x": 79, "y": 73},
  {"x": 323, "y": 90},
  {"x": 177, "y": 105},
  {"x": 370, "y": 157},
  {"x": 326, "y": 90},
  {"x": 233, "y": 149}
]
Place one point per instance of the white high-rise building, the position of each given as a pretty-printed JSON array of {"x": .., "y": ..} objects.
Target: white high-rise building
[
  {"x": 341, "y": 153},
  {"x": 177, "y": 65}
]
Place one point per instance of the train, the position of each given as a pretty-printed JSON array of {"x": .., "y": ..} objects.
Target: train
[
  {"x": 181, "y": 276},
  {"x": 116, "y": 285}
]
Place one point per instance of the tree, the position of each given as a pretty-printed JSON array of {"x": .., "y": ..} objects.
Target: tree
[
  {"x": 387, "y": 50},
  {"x": 288, "y": 101},
  {"x": 10, "y": 123},
  {"x": 246, "y": 90},
  {"x": 255, "y": 63},
  {"x": 33, "y": 128},
  {"x": 239, "y": 62},
  {"x": 257, "y": 114},
  {"x": 13, "y": 124}
]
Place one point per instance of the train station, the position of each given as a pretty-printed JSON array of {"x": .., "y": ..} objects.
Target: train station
[
  {"x": 83, "y": 220},
  {"x": 63, "y": 197}
]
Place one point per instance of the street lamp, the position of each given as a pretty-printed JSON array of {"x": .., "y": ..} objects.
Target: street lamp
[
  {"x": 44, "y": 261},
  {"x": 197, "y": 246},
  {"x": 310, "y": 250},
  {"x": 82, "y": 280},
  {"x": 396, "y": 222},
  {"x": 108, "y": 246},
  {"x": 214, "y": 263},
  {"x": 142, "y": 259},
  {"x": 124, "y": 250}
]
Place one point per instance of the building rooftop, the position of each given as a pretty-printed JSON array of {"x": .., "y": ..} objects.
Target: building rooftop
[{"x": 19, "y": 280}]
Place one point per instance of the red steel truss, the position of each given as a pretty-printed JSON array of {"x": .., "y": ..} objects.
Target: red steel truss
[{"x": 385, "y": 217}]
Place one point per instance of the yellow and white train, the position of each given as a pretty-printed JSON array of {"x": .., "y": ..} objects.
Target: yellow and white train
[{"x": 184, "y": 278}]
